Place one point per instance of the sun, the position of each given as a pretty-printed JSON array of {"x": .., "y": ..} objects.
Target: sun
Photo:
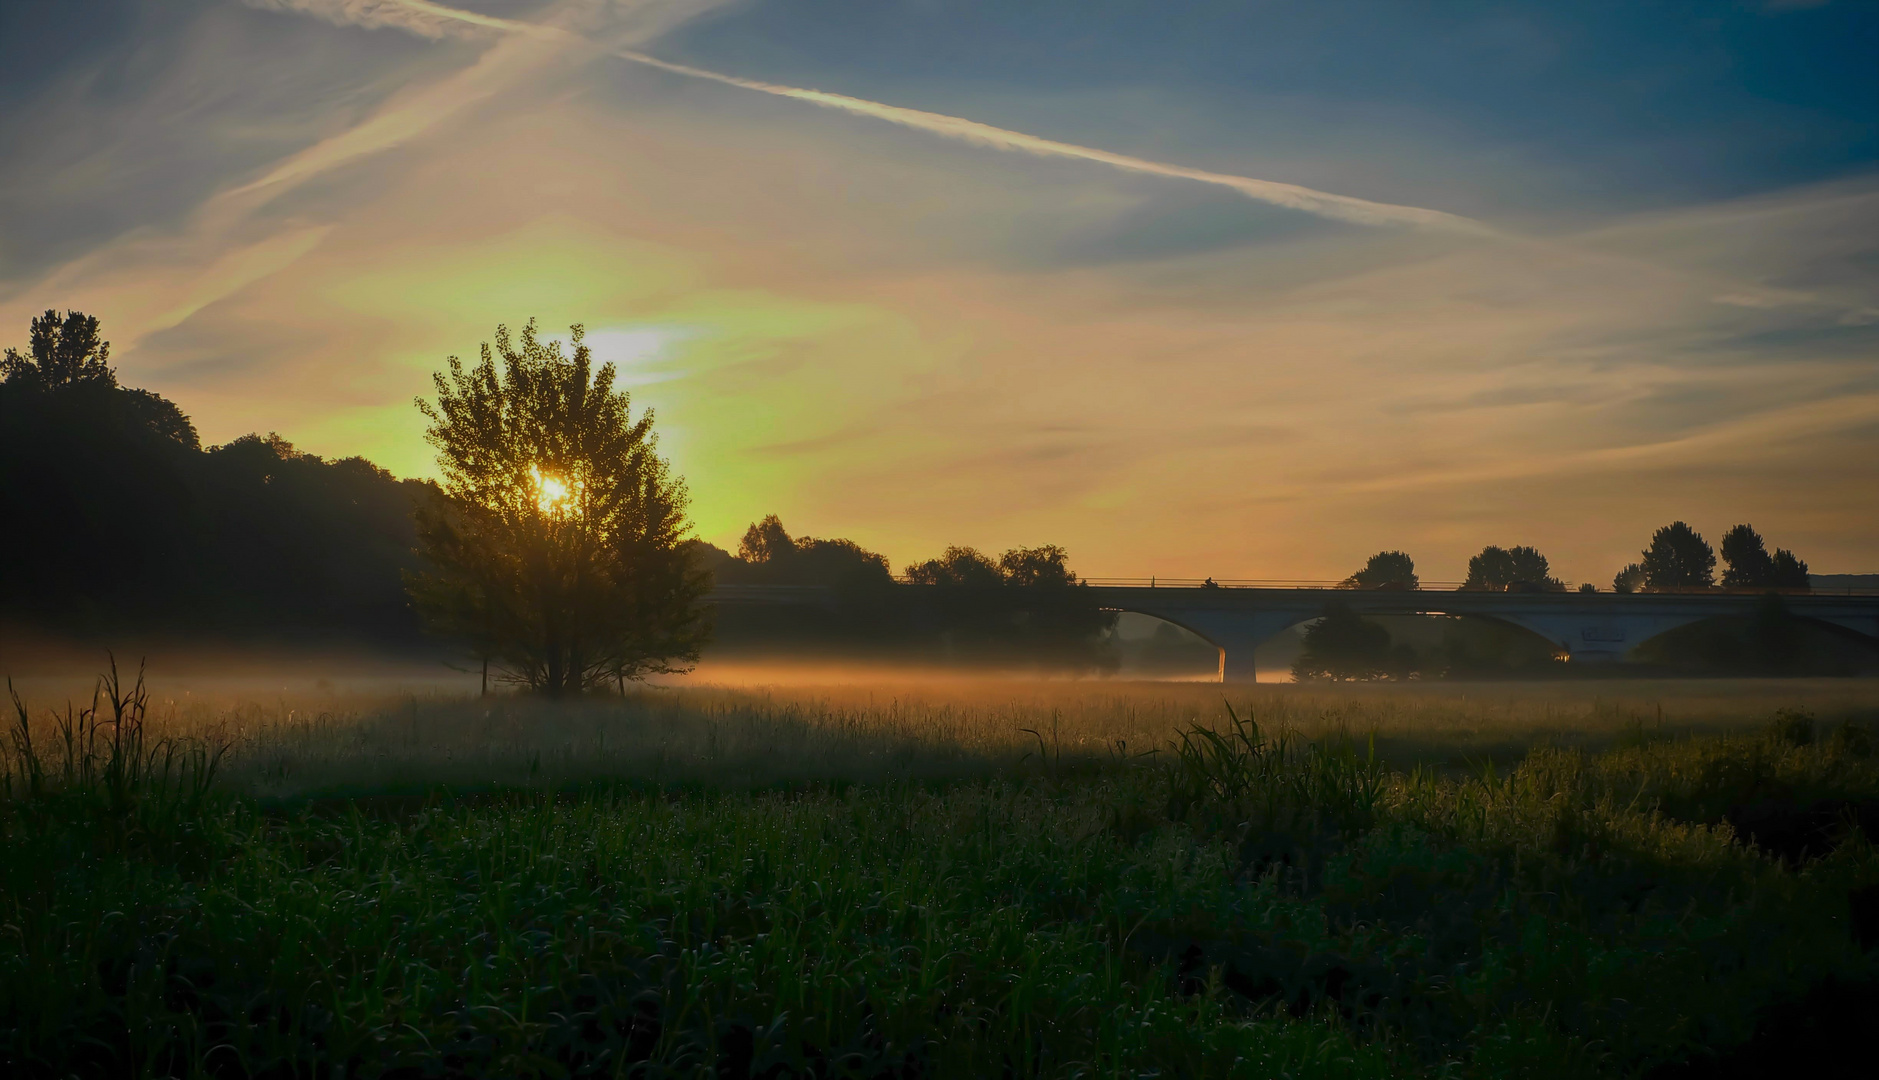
[{"x": 553, "y": 495}]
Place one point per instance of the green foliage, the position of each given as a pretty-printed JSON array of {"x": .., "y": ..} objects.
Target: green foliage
[
  {"x": 557, "y": 549},
  {"x": 1384, "y": 570},
  {"x": 1342, "y": 646},
  {"x": 1678, "y": 558},
  {"x": 1245, "y": 904}
]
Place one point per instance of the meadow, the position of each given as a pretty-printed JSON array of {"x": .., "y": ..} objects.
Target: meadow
[{"x": 944, "y": 877}]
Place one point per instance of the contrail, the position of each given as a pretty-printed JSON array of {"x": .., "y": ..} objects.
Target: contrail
[
  {"x": 1292, "y": 196},
  {"x": 1310, "y": 200}
]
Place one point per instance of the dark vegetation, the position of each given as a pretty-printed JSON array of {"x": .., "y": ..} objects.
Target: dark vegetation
[
  {"x": 117, "y": 518},
  {"x": 1240, "y": 903},
  {"x": 1025, "y": 609},
  {"x": 1680, "y": 559},
  {"x": 120, "y": 521},
  {"x": 1515, "y": 569},
  {"x": 1770, "y": 642},
  {"x": 1343, "y": 646},
  {"x": 556, "y": 547}
]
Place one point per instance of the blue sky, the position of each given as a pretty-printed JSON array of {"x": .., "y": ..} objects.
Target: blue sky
[{"x": 1244, "y": 289}]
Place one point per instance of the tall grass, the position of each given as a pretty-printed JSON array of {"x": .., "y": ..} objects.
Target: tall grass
[
  {"x": 818, "y": 886},
  {"x": 306, "y": 741}
]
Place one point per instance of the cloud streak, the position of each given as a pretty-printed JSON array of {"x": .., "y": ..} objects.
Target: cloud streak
[{"x": 1323, "y": 204}]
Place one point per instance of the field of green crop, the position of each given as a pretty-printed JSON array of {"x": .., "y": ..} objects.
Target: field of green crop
[{"x": 950, "y": 879}]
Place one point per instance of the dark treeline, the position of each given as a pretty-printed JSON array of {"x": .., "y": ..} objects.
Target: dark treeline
[
  {"x": 1343, "y": 645},
  {"x": 1024, "y": 608},
  {"x": 116, "y": 517}
]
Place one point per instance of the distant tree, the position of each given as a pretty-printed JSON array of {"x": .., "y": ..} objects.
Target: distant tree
[
  {"x": 1679, "y": 558},
  {"x": 1747, "y": 558},
  {"x": 1788, "y": 572},
  {"x": 957, "y": 566},
  {"x": 558, "y": 546},
  {"x": 1500, "y": 569},
  {"x": 768, "y": 555},
  {"x": 1343, "y": 646},
  {"x": 1587, "y": 587},
  {"x": 1385, "y": 570},
  {"x": 62, "y": 350},
  {"x": 766, "y": 540},
  {"x": 1025, "y": 605},
  {"x": 66, "y": 376},
  {"x": 1629, "y": 580},
  {"x": 1750, "y": 566},
  {"x": 1038, "y": 566},
  {"x": 1773, "y": 637}
]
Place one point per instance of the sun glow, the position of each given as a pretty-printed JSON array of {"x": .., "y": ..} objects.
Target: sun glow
[{"x": 553, "y": 495}]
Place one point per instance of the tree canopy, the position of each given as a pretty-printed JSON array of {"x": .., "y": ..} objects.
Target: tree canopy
[
  {"x": 1630, "y": 579},
  {"x": 1384, "y": 570},
  {"x": 62, "y": 350},
  {"x": 118, "y": 517},
  {"x": 1750, "y": 566},
  {"x": 558, "y": 549},
  {"x": 1515, "y": 568},
  {"x": 1678, "y": 558},
  {"x": 1343, "y": 646}
]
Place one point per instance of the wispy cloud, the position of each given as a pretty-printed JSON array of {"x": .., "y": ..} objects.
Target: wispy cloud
[
  {"x": 376, "y": 14},
  {"x": 1291, "y": 196}
]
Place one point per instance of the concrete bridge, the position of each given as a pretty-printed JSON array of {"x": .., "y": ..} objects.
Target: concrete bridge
[{"x": 1586, "y": 627}]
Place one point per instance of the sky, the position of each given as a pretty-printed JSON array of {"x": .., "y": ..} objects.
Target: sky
[{"x": 1242, "y": 290}]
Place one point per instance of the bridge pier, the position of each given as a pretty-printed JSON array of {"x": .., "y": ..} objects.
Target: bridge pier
[
  {"x": 1238, "y": 635},
  {"x": 1239, "y": 663}
]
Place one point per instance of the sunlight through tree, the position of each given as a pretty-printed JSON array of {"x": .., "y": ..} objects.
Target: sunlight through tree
[{"x": 556, "y": 548}]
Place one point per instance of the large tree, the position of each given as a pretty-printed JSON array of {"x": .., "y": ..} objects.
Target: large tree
[
  {"x": 1342, "y": 646},
  {"x": 1384, "y": 570},
  {"x": 1750, "y": 566},
  {"x": 1500, "y": 569},
  {"x": 558, "y": 543},
  {"x": 1679, "y": 558}
]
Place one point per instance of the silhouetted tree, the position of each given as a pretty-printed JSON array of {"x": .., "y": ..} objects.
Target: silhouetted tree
[
  {"x": 1630, "y": 579},
  {"x": 1025, "y": 606},
  {"x": 1501, "y": 569},
  {"x": 1750, "y": 566},
  {"x": 765, "y": 540},
  {"x": 62, "y": 350},
  {"x": 1385, "y": 570},
  {"x": 1678, "y": 558},
  {"x": 558, "y": 545},
  {"x": 1789, "y": 572},
  {"x": 1343, "y": 646},
  {"x": 768, "y": 555},
  {"x": 1046, "y": 567},
  {"x": 1747, "y": 558},
  {"x": 956, "y": 566},
  {"x": 1773, "y": 637}
]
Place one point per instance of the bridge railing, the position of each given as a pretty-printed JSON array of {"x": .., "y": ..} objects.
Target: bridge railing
[
  {"x": 1240, "y": 583},
  {"x": 1303, "y": 583},
  {"x": 1443, "y": 586}
]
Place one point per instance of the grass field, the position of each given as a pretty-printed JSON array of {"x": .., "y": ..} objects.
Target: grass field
[{"x": 949, "y": 878}]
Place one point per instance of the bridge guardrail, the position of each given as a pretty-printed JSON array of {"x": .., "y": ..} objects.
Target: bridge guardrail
[{"x": 1333, "y": 586}]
